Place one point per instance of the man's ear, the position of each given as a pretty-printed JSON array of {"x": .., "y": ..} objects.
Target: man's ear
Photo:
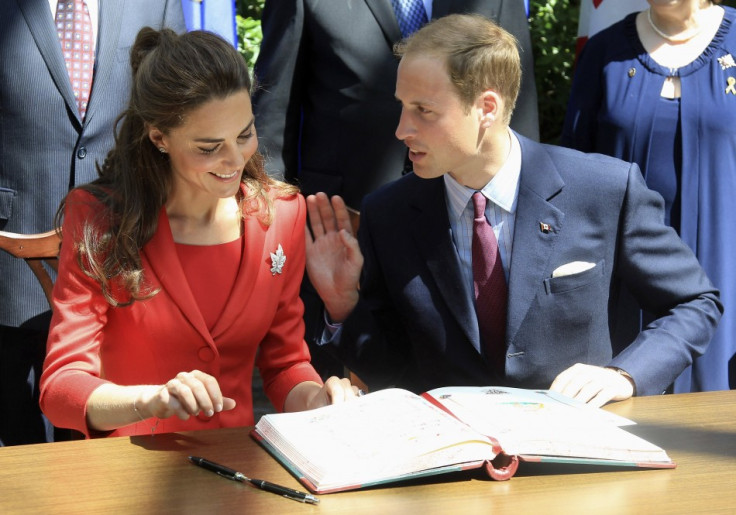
[
  {"x": 491, "y": 106},
  {"x": 157, "y": 138}
]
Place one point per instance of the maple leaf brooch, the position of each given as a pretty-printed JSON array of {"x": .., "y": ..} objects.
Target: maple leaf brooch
[{"x": 277, "y": 261}]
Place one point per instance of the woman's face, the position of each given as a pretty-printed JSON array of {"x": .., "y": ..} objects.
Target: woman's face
[{"x": 208, "y": 152}]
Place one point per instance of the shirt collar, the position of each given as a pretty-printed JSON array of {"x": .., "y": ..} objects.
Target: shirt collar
[{"x": 502, "y": 190}]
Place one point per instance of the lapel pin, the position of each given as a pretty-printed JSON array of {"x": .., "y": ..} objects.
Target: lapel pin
[
  {"x": 545, "y": 228},
  {"x": 726, "y": 61},
  {"x": 277, "y": 261}
]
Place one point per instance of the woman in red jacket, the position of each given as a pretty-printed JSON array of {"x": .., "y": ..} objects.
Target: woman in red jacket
[{"x": 181, "y": 264}]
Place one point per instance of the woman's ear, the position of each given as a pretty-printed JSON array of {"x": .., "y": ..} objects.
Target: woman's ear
[{"x": 157, "y": 138}]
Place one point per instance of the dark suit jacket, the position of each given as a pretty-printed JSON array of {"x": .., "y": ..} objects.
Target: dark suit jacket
[
  {"x": 44, "y": 148},
  {"x": 598, "y": 210},
  {"x": 326, "y": 112}
]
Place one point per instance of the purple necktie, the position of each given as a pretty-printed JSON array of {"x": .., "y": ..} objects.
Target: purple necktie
[
  {"x": 410, "y": 14},
  {"x": 489, "y": 283},
  {"x": 74, "y": 28}
]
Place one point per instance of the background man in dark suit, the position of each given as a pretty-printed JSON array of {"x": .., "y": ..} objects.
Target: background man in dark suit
[
  {"x": 47, "y": 147},
  {"x": 325, "y": 110},
  {"x": 570, "y": 230}
]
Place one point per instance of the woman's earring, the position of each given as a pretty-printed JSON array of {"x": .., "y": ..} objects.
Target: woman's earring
[{"x": 162, "y": 150}]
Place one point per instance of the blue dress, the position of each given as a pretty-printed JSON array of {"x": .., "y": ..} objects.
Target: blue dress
[
  {"x": 664, "y": 161},
  {"x": 615, "y": 108}
]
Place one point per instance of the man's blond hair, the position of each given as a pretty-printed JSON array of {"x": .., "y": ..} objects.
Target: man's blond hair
[{"x": 479, "y": 55}]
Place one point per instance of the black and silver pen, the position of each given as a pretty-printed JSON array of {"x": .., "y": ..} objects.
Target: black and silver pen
[{"x": 234, "y": 475}]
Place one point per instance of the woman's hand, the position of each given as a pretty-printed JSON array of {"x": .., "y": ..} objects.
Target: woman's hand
[
  {"x": 188, "y": 394},
  {"x": 309, "y": 395}
]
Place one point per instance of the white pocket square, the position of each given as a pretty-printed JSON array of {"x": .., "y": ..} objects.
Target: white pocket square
[{"x": 572, "y": 268}]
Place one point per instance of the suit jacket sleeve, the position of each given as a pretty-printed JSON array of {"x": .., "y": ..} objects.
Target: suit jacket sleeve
[
  {"x": 666, "y": 279},
  {"x": 278, "y": 78}
]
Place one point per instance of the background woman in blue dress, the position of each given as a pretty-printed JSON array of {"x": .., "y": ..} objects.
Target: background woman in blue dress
[{"x": 659, "y": 88}]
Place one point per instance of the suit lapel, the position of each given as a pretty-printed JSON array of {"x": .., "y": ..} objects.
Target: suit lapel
[
  {"x": 41, "y": 24},
  {"x": 160, "y": 253},
  {"x": 532, "y": 245},
  {"x": 110, "y": 21},
  {"x": 384, "y": 14},
  {"x": 433, "y": 239}
]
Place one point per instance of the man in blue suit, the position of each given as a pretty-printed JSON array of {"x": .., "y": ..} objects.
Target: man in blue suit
[
  {"x": 325, "y": 108},
  {"x": 571, "y": 230},
  {"x": 46, "y": 148}
]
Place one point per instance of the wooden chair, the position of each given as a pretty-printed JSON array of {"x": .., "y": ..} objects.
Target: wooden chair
[{"x": 35, "y": 249}]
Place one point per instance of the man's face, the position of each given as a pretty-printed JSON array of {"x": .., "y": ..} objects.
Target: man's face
[{"x": 442, "y": 134}]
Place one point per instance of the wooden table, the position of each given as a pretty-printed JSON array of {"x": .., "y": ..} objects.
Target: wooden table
[{"x": 152, "y": 475}]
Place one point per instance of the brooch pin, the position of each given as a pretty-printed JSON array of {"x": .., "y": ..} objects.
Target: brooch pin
[
  {"x": 545, "y": 228},
  {"x": 726, "y": 61},
  {"x": 277, "y": 260}
]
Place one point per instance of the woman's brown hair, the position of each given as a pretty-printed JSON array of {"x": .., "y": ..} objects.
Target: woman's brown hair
[{"x": 172, "y": 75}]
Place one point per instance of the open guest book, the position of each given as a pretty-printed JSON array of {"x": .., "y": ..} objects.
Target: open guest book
[{"x": 392, "y": 435}]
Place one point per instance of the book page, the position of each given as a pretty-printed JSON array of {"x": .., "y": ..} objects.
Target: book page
[
  {"x": 520, "y": 396},
  {"x": 533, "y": 422},
  {"x": 378, "y": 436}
]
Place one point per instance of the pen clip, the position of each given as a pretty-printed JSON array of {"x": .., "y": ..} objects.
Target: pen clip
[{"x": 225, "y": 475}]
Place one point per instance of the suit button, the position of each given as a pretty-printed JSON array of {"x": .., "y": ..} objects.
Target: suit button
[
  {"x": 82, "y": 152},
  {"x": 206, "y": 354}
]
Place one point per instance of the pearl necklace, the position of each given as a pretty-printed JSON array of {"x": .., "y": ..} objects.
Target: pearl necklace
[{"x": 687, "y": 37}]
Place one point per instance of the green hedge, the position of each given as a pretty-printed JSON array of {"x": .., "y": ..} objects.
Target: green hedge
[{"x": 554, "y": 28}]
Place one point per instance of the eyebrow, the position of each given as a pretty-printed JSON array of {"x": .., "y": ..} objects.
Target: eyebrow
[
  {"x": 218, "y": 140},
  {"x": 420, "y": 102}
]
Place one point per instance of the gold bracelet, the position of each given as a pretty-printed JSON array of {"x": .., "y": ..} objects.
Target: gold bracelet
[{"x": 154, "y": 426}]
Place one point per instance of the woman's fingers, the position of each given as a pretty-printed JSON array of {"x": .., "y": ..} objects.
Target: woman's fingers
[{"x": 195, "y": 392}]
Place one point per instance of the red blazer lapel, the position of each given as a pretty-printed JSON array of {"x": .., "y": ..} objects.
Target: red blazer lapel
[
  {"x": 159, "y": 256},
  {"x": 253, "y": 263}
]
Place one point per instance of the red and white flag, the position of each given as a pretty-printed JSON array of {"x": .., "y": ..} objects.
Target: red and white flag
[{"x": 596, "y": 15}]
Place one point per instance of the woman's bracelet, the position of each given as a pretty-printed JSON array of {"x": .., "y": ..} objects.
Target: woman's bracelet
[{"x": 154, "y": 426}]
